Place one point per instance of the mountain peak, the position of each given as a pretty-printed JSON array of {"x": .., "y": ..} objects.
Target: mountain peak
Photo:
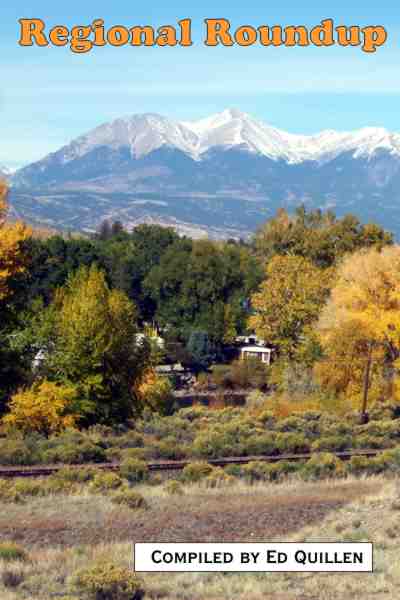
[
  {"x": 234, "y": 113},
  {"x": 141, "y": 134}
]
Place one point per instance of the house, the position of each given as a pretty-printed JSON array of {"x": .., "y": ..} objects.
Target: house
[
  {"x": 262, "y": 353},
  {"x": 156, "y": 339},
  {"x": 250, "y": 340}
]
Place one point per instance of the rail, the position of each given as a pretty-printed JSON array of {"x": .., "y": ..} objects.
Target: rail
[{"x": 176, "y": 465}]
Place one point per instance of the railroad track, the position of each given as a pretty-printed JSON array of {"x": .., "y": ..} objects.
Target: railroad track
[{"x": 175, "y": 465}]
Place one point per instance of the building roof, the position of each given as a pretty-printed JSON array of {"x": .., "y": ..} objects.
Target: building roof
[{"x": 255, "y": 349}]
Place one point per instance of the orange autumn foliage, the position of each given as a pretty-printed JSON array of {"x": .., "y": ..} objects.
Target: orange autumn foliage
[
  {"x": 46, "y": 407},
  {"x": 12, "y": 257},
  {"x": 154, "y": 391}
]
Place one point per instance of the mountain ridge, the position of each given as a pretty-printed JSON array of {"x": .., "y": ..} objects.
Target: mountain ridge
[
  {"x": 147, "y": 132},
  {"x": 147, "y": 166}
]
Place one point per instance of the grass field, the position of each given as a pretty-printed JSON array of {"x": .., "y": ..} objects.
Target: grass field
[{"x": 63, "y": 533}]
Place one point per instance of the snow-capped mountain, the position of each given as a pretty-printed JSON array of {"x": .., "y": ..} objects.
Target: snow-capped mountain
[
  {"x": 143, "y": 134},
  {"x": 233, "y": 128},
  {"x": 228, "y": 156},
  {"x": 6, "y": 171}
]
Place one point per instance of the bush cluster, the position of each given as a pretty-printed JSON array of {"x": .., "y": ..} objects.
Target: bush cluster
[
  {"x": 199, "y": 433},
  {"x": 240, "y": 374},
  {"x": 9, "y": 551},
  {"x": 129, "y": 498},
  {"x": 108, "y": 581}
]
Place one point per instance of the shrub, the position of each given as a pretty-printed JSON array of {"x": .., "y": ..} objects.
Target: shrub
[
  {"x": 261, "y": 444},
  {"x": 57, "y": 485},
  {"x": 255, "y": 471},
  {"x": 202, "y": 381},
  {"x": 267, "y": 418},
  {"x": 131, "y": 439},
  {"x": 358, "y": 465},
  {"x": 191, "y": 413},
  {"x": 155, "y": 479},
  {"x": 333, "y": 443},
  {"x": 372, "y": 442},
  {"x": 107, "y": 581},
  {"x": 104, "y": 482},
  {"x": 234, "y": 470},
  {"x": 388, "y": 461},
  {"x": 15, "y": 452},
  {"x": 72, "y": 454},
  {"x": 129, "y": 498},
  {"x": 29, "y": 487},
  {"x": 264, "y": 471},
  {"x": 7, "y": 492},
  {"x": 337, "y": 429},
  {"x": 248, "y": 373},
  {"x": 9, "y": 551},
  {"x": 169, "y": 448},
  {"x": 387, "y": 429},
  {"x": 256, "y": 400},
  {"x": 282, "y": 469},
  {"x": 77, "y": 474},
  {"x": 312, "y": 415},
  {"x": 385, "y": 410},
  {"x": 174, "y": 488},
  {"x": 196, "y": 471},
  {"x": 156, "y": 392},
  {"x": 136, "y": 453},
  {"x": 213, "y": 444},
  {"x": 98, "y": 433},
  {"x": 290, "y": 424},
  {"x": 113, "y": 454},
  {"x": 134, "y": 470},
  {"x": 292, "y": 443},
  {"x": 12, "y": 579},
  {"x": 321, "y": 466},
  {"x": 218, "y": 478},
  {"x": 220, "y": 376}
]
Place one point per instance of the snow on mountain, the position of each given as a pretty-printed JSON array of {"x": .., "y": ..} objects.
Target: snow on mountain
[
  {"x": 6, "y": 170},
  {"x": 151, "y": 167},
  {"x": 234, "y": 128},
  {"x": 363, "y": 143},
  {"x": 143, "y": 134}
]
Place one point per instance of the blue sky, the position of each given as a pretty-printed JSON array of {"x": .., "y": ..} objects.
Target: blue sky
[{"x": 51, "y": 95}]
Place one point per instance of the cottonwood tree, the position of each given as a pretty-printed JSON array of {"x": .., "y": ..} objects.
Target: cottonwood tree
[
  {"x": 319, "y": 236},
  {"x": 13, "y": 259},
  {"x": 95, "y": 346},
  {"x": 359, "y": 328},
  {"x": 289, "y": 299},
  {"x": 13, "y": 262}
]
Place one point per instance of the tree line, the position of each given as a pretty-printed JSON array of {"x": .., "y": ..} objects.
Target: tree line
[{"x": 320, "y": 289}]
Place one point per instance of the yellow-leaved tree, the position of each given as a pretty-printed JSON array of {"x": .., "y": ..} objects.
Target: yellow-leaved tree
[
  {"x": 96, "y": 346},
  {"x": 13, "y": 260},
  {"x": 359, "y": 328}
]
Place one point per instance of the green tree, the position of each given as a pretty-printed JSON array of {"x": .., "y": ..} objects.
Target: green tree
[
  {"x": 316, "y": 235},
  {"x": 95, "y": 346},
  {"x": 203, "y": 286},
  {"x": 201, "y": 350},
  {"x": 289, "y": 299}
]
